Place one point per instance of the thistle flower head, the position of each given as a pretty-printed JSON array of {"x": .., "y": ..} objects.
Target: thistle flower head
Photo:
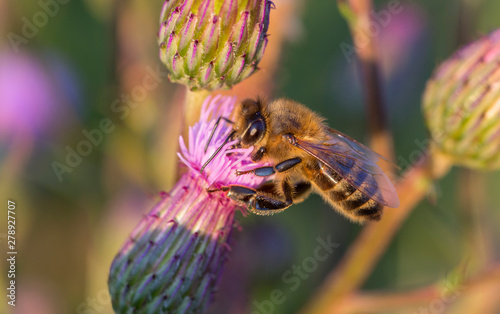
[
  {"x": 222, "y": 169},
  {"x": 28, "y": 101},
  {"x": 462, "y": 104},
  {"x": 172, "y": 260},
  {"x": 211, "y": 44}
]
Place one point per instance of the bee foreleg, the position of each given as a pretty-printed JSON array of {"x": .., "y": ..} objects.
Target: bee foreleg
[
  {"x": 215, "y": 128},
  {"x": 258, "y": 155},
  {"x": 270, "y": 170}
]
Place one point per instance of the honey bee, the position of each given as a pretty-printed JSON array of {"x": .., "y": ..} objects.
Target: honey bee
[{"x": 305, "y": 155}]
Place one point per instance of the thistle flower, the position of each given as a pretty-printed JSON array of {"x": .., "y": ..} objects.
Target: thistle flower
[
  {"x": 28, "y": 102},
  {"x": 211, "y": 44},
  {"x": 462, "y": 104},
  {"x": 172, "y": 260}
]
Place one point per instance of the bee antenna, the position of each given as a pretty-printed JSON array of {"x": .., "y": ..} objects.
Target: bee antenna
[{"x": 217, "y": 151}]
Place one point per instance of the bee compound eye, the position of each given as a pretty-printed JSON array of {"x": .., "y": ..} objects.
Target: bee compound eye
[{"x": 254, "y": 133}]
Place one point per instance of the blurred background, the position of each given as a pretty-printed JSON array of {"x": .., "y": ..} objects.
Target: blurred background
[{"x": 84, "y": 76}]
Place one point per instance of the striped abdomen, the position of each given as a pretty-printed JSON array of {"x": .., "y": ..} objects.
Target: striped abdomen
[{"x": 342, "y": 195}]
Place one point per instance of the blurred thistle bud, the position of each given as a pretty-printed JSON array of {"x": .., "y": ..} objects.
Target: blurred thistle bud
[
  {"x": 462, "y": 104},
  {"x": 172, "y": 260},
  {"x": 211, "y": 44}
]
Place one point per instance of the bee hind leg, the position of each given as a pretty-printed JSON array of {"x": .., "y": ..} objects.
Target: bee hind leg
[
  {"x": 268, "y": 204},
  {"x": 301, "y": 191},
  {"x": 259, "y": 202}
]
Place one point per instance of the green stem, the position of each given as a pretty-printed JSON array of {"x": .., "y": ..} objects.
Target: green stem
[
  {"x": 191, "y": 111},
  {"x": 192, "y": 106}
]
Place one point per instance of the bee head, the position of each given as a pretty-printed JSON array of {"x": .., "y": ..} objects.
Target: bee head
[{"x": 249, "y": 123}]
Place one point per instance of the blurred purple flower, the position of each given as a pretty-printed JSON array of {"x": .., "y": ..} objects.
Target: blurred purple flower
[
  {"x": 400, "y": 38},
  {"x": 172, "y": 260},
  {"x": 402, "y": 48},
  {"x": 28, "y": 101}
]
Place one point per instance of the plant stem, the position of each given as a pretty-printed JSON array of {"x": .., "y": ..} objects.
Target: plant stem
[
  {"x": 391, "y": 302},
  {"x": 357, "y": 14},
  {"x": 384, "y": 302},
  {"x": 191, "y": 112},
  {"x": 373, "y": 240},
  {"x": 192, "y": 107}
]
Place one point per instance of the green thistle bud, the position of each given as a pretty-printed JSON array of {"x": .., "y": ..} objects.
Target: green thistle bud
[
  {"x": 211, "y": 44},
  {"x": 462, "y": 104}
]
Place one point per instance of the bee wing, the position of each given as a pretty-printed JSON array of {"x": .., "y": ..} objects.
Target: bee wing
[
  {"x": 357, "y": 146},
  {"x": 356, "y": 164}
]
